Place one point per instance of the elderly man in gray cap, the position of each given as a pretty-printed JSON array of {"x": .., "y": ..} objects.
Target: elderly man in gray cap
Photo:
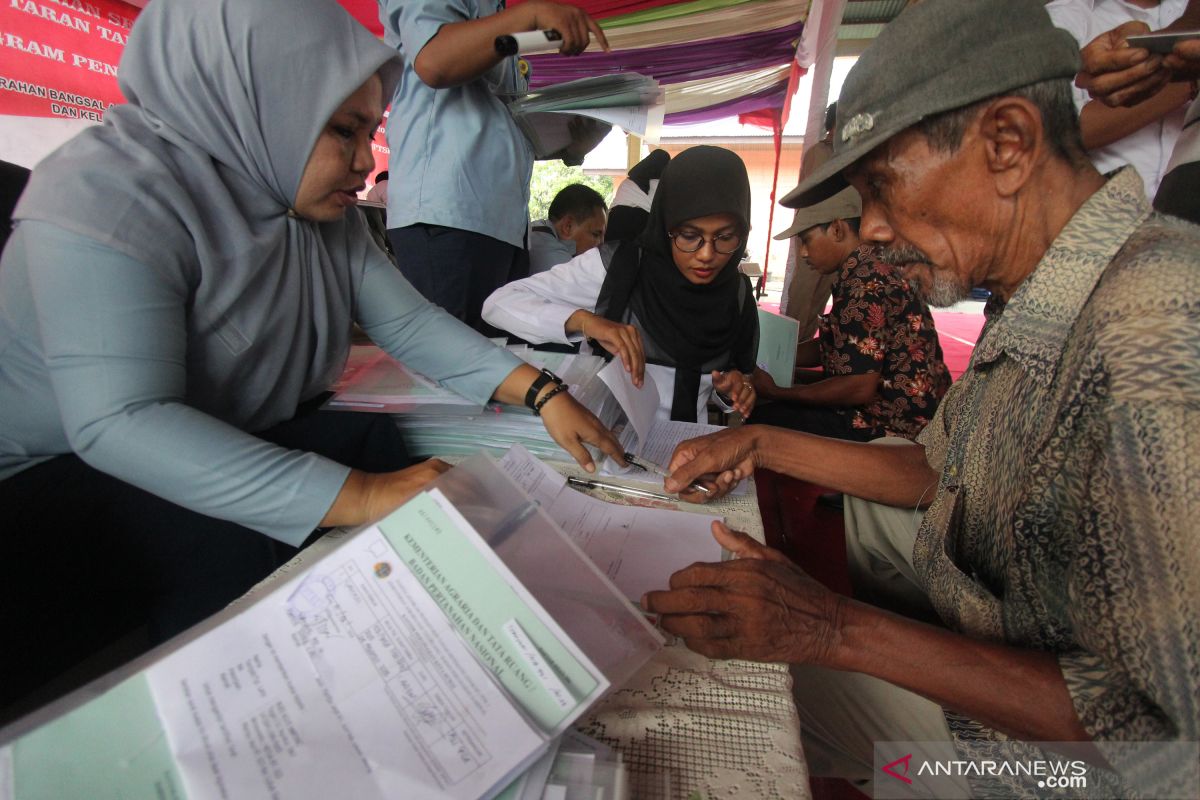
[{"x": 1060, "y": 476}]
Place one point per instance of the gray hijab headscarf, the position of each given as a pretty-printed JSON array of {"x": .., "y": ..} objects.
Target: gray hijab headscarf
[{"x": 194, "y": 178}]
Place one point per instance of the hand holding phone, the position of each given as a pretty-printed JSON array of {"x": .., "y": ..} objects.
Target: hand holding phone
[{"x": 1162, "y": 42}]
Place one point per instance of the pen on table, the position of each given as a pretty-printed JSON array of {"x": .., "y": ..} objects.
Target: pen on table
[
  {"x": 580, "y": 483},
  {"x": 657, "y": 470}
]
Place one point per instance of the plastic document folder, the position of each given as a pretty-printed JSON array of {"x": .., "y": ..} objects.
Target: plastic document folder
[
  {"x": 435, "y": 654},
  {"x": 576, "y": 767},
  {"x": 777, "y": 340},
  {"x": 637, "y": 546}
]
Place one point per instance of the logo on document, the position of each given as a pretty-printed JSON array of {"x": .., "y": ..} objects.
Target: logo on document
[{"x": 383, "y": 569}]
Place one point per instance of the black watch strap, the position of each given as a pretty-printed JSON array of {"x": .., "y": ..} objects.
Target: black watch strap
[{"x": 539, "y": 383}]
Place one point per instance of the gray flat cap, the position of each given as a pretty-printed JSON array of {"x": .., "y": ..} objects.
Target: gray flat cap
[
  {"x": 937, "y": 56},
  {"x": 846, "y": 204}
]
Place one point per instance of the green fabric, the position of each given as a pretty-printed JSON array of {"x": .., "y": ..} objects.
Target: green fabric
[{"x": 673, "y": 11}]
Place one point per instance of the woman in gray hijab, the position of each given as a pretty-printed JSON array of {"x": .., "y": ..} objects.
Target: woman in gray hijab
[{"x": 180, "y": 287}]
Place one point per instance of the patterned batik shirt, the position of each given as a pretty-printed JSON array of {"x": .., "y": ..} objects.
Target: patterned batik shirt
[
  {"x": 878, "y": 324},
  {"x": 1067, "y": 517}
]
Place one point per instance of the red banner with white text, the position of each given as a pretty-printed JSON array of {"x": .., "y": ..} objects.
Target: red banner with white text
[
  {"x": 58, "y": 72},
  {"x": 60, "y": 56}
]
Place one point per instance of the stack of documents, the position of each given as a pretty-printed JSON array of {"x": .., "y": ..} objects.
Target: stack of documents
[
  {"x": 374, "y": 381},
  {"x": 628, "y": 100},
  {"x": 436, "y": 421},
  {"x": 430, "y": 655}
]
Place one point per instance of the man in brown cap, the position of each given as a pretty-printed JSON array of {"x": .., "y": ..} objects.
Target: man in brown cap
[
  {"x": 1059, "y": 477},
  {"x": 882, "y": 372}
]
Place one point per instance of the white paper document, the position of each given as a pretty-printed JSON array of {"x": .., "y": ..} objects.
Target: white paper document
[
  {"x": 639, "y": 405},
  {"x": 356, "y": 668},
  {"x": 550, "y": 131},
  {"x": 636, "y": 547}
]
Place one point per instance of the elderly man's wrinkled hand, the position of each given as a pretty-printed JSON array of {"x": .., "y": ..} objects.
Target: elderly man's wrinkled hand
[
  {"x": 719, "y": 460},
  {"x": 759, "y": 607}
]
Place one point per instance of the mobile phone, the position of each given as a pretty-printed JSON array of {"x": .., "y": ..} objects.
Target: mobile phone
[{"x": 1161, "y": 42}]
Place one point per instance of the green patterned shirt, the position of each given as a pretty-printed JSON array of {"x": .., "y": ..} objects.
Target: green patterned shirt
[{"x": 1068, "y": 510}]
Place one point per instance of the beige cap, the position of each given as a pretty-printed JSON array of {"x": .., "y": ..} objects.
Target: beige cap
[{"x": 846, "y": 204}]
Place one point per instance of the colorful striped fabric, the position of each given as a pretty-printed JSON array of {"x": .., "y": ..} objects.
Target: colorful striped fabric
[{"x": 714, "y": 58}]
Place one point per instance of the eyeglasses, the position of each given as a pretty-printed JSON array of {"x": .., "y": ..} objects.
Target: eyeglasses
[{"x": 690, "y": 242}]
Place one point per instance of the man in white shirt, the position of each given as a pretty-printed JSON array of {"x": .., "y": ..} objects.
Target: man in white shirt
[{"x": 1143, "y": 135}]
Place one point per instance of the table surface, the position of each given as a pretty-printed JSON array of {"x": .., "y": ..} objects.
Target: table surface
[{"x": 717, "y": 729}]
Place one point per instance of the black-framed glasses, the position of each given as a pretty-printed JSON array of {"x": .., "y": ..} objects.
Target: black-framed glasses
[{"x": 690, "y": 242}]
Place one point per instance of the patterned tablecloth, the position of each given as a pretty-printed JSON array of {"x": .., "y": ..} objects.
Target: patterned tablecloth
[{"x": 715, "y": 729}]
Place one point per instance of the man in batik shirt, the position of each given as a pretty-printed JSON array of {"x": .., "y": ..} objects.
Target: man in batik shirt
[
  {"x": 1059, "y": 478},
  {"x": 883, "y": 368}
]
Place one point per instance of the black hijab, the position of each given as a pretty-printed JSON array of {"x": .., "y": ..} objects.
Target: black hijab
[
  {"x": 649, "y": 168},
  {"x": 626, "y": 223},
  {"x": 696, "y": 325}
]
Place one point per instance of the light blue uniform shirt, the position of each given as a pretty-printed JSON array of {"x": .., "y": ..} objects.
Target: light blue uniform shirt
[
  {"x": 457, "y": 157},
  {"x": 546, "y": 249},
  {"x": 96, "y": 361}
]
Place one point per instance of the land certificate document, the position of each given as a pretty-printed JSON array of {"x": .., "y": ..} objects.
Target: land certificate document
[
  {"x": 360, "y": 667},
  {"x": 408, "y": 662}
]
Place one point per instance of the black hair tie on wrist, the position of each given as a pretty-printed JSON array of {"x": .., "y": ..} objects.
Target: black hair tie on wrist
[{"x": 537, "y": 409}]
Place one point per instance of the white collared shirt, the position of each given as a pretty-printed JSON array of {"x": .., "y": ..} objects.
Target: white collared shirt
[
  {"x": 1148, "y": 149},
  {"x": 537, "y": 308}
]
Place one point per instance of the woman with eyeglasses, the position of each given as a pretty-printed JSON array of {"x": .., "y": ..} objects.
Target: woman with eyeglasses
[{"x": 671, "y": 303}]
